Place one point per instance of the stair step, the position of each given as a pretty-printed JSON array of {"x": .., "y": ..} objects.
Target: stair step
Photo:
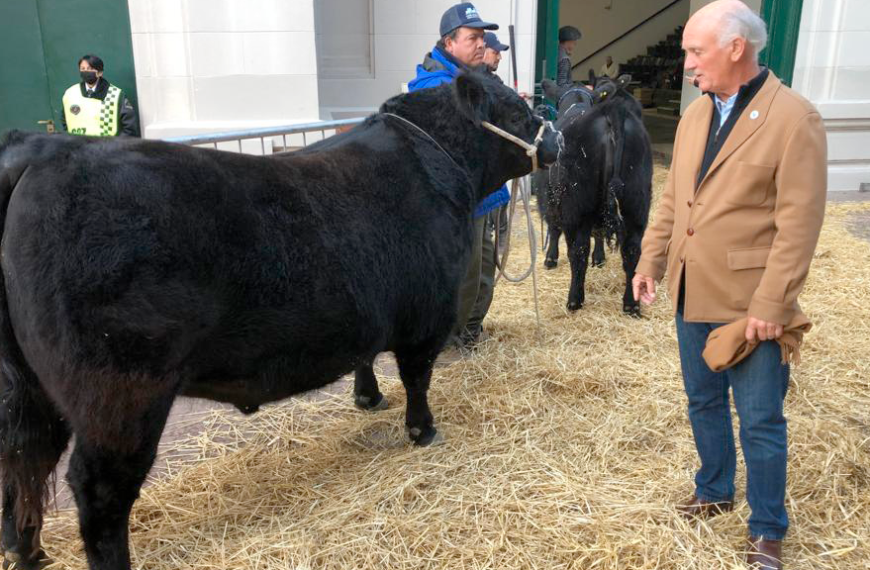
[
  {"x": 668, "y": 110},
  {"x": 654, "y": 68}
]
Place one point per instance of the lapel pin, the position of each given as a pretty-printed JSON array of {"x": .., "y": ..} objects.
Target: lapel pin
[{"x": 753, "y": 115}]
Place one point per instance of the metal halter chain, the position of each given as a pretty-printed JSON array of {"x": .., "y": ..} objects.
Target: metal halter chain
[{"x": 531, "y": 149}]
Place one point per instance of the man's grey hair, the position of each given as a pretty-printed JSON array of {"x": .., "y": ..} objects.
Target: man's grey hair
[{"x": 742, "y": 22}]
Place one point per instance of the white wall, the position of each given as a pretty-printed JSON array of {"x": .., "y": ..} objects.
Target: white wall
[
  {"x": 217, "y": 65},
  {"x": 600, "y": 25},
  {"x": 832, "y": 69},
  {"x": 404, "y": 31}
]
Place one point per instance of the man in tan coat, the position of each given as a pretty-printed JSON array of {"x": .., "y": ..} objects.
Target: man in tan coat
[{"x": 735, "y": 233}]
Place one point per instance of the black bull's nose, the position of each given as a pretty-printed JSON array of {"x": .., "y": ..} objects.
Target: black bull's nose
[{"x": 548, "y": 150}]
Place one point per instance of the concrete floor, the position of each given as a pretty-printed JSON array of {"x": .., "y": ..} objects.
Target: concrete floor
[
  {"x": 859, "y": 222},
  {"x": 662, "y": 129}
]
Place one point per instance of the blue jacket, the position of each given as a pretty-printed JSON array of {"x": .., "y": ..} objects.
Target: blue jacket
[{"x": 437, "y": 69}]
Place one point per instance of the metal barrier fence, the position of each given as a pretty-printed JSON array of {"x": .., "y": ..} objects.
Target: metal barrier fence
[{"x": 272, "y": 140}]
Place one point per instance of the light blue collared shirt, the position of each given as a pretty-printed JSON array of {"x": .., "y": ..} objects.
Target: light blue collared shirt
[{"x": 725, "y": 107}]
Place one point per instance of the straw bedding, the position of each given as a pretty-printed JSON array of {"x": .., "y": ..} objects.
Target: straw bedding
[{"x": 566, "y": 446}]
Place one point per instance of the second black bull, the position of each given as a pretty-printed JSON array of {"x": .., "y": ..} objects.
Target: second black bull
[{"x": 601, "y": 184}]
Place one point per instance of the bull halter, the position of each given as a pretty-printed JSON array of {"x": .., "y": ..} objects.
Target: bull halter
[
  {"x": 587, "y": 96},
  {"x": 531, "y": 149}
]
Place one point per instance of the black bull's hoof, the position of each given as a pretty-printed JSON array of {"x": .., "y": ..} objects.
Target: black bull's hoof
[
  {"x": 371, "y": 404},
  {"x": 13, "y": 561},
  {"x": 575, "y": 305},
  {"x": 425, "y": 437},
  {"x": 551, "y": 263},
  {"x": 632, "y": 311}
]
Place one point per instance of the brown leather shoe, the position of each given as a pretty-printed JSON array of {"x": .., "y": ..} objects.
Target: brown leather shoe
[
  {"x": 764, "y": 554},
  {"x": 696, "y": 508}
]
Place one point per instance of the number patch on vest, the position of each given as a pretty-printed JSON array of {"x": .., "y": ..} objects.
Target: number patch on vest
[{"x": 78, "y": 131}]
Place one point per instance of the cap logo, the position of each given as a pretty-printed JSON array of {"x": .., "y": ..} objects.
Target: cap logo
[{"x": 470, "y": 13}]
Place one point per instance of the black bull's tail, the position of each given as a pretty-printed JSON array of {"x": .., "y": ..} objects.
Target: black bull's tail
[
  {"x": 613, "y": 225},
  {"x": 29, "y": 424}
]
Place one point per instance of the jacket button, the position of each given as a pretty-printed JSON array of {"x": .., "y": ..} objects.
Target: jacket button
[
  {"x": 689, "y": 203},
  {"x": 690, "y": 231}
]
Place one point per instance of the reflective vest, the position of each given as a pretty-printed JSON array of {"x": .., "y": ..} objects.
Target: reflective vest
[{"x": 88, "y": 116}]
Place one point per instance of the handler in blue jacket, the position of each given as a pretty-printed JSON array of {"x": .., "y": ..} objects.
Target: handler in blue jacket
[{"x": 462, "y": 47}]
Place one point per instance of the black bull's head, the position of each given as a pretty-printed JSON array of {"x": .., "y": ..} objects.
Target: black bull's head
[
  {"x": 576, "y": 100},
  {"x": 490, "y": 104}
]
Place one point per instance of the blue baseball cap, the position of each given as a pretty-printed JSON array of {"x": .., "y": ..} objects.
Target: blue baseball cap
[
  {"x": 463, "y": 15},
  {"x": 491, "y": 41}
]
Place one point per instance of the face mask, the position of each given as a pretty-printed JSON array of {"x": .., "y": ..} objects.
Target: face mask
[{"x": 89, "y": 76}]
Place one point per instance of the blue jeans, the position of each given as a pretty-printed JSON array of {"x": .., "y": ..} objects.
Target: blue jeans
[{"x": 759, "y": 385}]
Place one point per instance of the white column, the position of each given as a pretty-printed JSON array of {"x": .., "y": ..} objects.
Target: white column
[
  {"x": 404, "y": 31},
  {"x": 217, "y": 65},
  {"x": 832, "y": 69}
]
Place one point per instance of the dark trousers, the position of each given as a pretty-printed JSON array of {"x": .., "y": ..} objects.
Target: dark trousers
[
  {"x": 476, "y": 290},
  {"x": 487, "y": 276}
]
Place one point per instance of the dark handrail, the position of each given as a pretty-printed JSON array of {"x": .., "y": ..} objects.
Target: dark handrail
[{"x": 611, "y": 42}]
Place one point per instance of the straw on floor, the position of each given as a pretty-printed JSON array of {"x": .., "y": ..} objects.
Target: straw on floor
[{"x": 566, "y": 447}]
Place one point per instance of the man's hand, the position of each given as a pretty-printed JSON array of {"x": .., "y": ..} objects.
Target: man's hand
[
  {"x": 757, "y": 330},
  {"x": 644, "y": 289}
]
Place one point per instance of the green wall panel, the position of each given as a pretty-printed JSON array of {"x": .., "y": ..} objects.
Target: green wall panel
[
  {"x": 783, "y": 19},
  {"x": 45, "y": 39},
  {"x": 24, "y": 95},
  {"x": 547, "y": 40}
]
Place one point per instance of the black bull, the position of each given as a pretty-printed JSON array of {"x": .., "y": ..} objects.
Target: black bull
[
  {"x": 137, "y": 271},
  {"x": 602, "y": 183}
]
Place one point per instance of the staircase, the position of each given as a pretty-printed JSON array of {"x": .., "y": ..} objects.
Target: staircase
[{"x": 658, "y": 74}]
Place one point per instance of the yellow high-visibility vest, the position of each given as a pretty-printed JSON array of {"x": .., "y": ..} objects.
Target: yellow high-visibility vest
[{"x": 88, "y": 116}]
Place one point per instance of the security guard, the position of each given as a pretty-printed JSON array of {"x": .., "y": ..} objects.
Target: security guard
[{"x": 95, "y": 107}]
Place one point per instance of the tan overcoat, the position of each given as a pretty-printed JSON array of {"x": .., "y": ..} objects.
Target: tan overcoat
[{"x": 745, "y": 238}]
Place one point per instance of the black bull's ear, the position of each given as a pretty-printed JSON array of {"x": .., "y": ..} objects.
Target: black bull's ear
[
  {"x": 472, "y": 97},
  {"x": 623, "y": 80},
  {"x": 552, "y": 91}
]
